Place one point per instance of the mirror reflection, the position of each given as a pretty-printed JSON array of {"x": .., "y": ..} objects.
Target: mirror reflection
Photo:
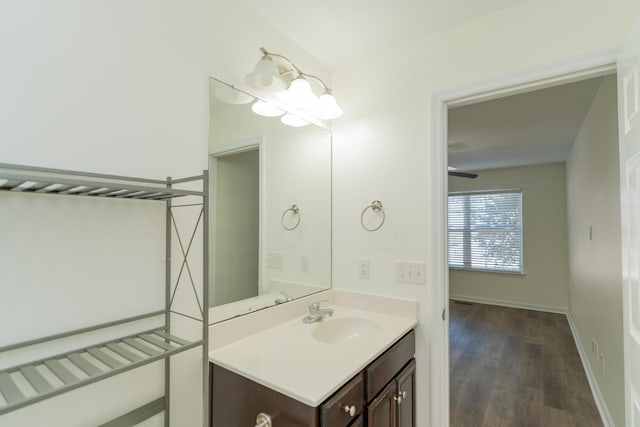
[{"x": 270, "y": 211}]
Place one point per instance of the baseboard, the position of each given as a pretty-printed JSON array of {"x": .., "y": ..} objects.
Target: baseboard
[
  {"x": 512, "y": 304},
  {"x": 595, "y": 390}
]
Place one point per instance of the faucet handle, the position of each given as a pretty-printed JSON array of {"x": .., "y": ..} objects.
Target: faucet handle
[{"x": 316, "y": 305}]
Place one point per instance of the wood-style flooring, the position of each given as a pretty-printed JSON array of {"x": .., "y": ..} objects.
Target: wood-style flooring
[{"x": 514, "y": 367}]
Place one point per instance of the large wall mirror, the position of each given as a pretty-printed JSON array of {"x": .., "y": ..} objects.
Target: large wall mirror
[{"x": 270, "y": 219}]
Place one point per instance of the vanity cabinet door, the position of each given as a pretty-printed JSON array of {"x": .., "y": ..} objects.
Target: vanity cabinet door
[
  {"x": 382, "y": 411},
  {"x": 405, "y": 401},
  {"x": 386, "y": 367},
  {"x": 236, "y": 401},
  {"x": 357, "y": 422},
  {"x": 344, "y": 406}
]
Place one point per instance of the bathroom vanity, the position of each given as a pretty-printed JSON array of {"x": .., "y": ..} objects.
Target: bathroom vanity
[
  {"x": 381, "y": 395},
  {"x": 355, "y": 368}
]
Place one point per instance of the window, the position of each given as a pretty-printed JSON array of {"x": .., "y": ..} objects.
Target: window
[{"x": 485, "y": 231}]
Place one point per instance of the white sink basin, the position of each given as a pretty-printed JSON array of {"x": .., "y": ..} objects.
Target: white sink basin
[{"x": 333, "y": 330}]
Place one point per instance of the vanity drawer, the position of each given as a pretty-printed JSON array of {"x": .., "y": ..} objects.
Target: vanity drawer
[
  {"x": 385, "y": 367},
  {"x": 336, "y": 411}
]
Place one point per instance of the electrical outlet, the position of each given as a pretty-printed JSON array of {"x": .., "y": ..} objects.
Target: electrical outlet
[
  {"x": 305, "y": 264},
  {"x": 410, "y": 272},
  {"x": 363, "y": 269},
  {"x": 274, "y": 260}
]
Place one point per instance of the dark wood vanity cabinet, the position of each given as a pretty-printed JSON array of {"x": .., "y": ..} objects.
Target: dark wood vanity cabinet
[
  {"x": 395, "y": 406},
  {"x": 381, "y": 395}
]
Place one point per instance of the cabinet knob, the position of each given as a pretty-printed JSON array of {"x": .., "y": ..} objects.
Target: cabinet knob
[
  {"x": 401, "y": 395},
  {"x": 351, "y": 410},
  {"x": 263, "y": 420}
]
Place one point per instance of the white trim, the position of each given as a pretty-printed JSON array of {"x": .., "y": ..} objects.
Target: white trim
[
  {"x": 605, "y": 415},
  {"x": 512, "y": 304},
  {"x": 221, "y": 150},
  {"x": 574, "y": 69}
]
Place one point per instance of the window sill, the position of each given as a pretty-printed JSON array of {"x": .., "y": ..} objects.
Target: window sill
[{"x": 478, "y": 270}]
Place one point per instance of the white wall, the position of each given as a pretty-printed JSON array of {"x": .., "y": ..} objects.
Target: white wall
[
  {"x": 545, "y": 282},
  {"x": 593, "y": 195},
  {"x": 113, "y": 87},
  {"x": 382, "y": 145}
]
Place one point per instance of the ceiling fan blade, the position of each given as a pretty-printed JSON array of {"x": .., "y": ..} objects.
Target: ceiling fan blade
[{"x": 463, "y": 174}]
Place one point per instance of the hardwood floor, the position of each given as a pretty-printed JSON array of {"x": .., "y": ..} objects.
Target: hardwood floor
[{"x": 514, "y": 367}]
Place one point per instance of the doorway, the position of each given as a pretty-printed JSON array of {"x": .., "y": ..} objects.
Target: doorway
[
  {"x": 236, "y": 225},
  {"x": 579, "y": 69}
]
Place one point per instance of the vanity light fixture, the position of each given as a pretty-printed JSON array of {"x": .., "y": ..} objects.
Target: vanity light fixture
[
  {"x": 295, "y": 121},
  {"x": 276, "y": 74},
  {"x": 265, "y": 109},
  {"x": 265, "y": 75}
]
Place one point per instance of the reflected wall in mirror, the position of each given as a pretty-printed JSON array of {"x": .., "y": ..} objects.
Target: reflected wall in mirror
[{"x": 270, "y": 211}]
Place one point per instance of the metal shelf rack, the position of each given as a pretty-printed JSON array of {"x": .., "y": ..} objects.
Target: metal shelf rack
[{"x": 50, "y": 376}]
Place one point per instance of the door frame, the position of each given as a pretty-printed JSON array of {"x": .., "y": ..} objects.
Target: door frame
[{"x": 580, "y": 68}]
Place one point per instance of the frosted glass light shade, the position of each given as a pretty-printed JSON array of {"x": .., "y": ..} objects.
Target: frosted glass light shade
[
  {"x": 265, "y": 76},
  {"x": 261, "y": 108},
  {"x": 300, "y": 94},
  {"x": 328, "y": 107},
  {"x": 294, "y": 121}
]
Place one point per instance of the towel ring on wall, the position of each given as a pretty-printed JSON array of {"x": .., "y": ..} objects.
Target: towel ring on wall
[
  {"x": 295, "y": 210},
  {"x": 375, "y": 206}
]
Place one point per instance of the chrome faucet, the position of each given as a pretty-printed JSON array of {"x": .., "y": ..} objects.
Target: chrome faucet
[
  {"x": 285, "y": 298},
  {"x": 316, "y": 314}
]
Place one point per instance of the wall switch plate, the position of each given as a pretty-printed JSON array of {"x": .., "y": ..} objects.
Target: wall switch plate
[
  {"x": 363, "y": 269},
  {"x": 410, "y": 272},
  {"x": 305, "y": 264},
  {"x": 274, "y": 260}
]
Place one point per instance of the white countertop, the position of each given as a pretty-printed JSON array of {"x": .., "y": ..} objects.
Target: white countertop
[{"x": 287, "y": 358}]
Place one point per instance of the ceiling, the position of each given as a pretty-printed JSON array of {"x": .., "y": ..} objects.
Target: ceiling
[
  {"x": 531, "y": 128},
  {"x": 339, "y": 31}
]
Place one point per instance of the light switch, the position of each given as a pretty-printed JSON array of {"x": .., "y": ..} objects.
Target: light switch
[
  {"x": 410, "y": 272},
  {"x": 363, "y": 269}
]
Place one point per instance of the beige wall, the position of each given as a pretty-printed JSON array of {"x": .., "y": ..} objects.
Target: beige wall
[
  {"x": 595, "y": 264},
  {"x": 545, "y": 282}
]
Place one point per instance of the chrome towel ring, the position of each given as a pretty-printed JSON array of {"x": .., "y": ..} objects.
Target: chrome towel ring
[
  {"x": 295, "y": 210},
  {"x": 375, "y": 206}
]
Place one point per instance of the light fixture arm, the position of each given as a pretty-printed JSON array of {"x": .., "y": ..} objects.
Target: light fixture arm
[{"x": 325, "y": 88}]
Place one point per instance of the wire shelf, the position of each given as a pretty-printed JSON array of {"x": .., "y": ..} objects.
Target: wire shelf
[{"x": 31, "y": 382}]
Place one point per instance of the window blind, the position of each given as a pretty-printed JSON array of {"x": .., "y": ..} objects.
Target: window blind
[{"x": 485, "y": 231}]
